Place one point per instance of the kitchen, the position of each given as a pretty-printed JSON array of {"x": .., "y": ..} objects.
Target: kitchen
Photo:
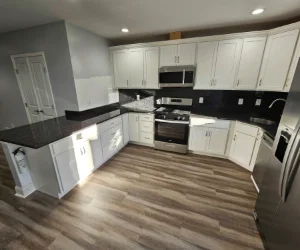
[{"x": 181, "y": 143}]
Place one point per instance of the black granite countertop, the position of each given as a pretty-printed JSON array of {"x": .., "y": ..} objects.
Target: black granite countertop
[
  {"x": 271, "y": 130},
  {"x": 37, "y": 135}
]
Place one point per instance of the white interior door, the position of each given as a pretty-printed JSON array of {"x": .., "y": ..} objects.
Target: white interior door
[
  {"x": 27, "y": 89},
  {"x": 151, "y": 68},
  {"x": 42, "y": 86},
  {"x": 228, "y": 56},
  {"x": 136, "y": 68}
]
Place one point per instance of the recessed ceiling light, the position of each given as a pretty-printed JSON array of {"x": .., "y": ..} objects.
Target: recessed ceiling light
[
  {"x": 125, "y": 30},
  {"x": 257, "y": 11}
]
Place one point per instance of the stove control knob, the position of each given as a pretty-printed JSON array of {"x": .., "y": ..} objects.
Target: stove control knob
[{"x": 183, "y": 118}]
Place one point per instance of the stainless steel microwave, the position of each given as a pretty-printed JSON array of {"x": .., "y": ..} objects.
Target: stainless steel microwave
[{"x": 177, "y": 76}]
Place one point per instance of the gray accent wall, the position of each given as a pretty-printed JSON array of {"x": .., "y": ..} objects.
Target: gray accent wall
[
  {"x": 52, "y": 40},
  {"x": 89, "y": 53}
]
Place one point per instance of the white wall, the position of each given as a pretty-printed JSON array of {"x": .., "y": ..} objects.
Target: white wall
[
  {"x": 52, "y": 40},
  {"x": 91, "y": 68}
]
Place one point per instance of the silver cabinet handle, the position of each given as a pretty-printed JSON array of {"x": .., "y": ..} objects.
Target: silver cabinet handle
[
  {"x": 206, "y": 133},
  {"x": 178, "y": 59},
  {"x": 175, "y": 59},
  {"x": 147, "y": 138},
  {"x": 238, "y": 83},
  {"x": 211, "y": 82},
  {"x": 260, "y": 82}
]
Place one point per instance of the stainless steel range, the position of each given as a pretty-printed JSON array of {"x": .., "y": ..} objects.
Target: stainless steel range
[{"x": 172, "y": 124}]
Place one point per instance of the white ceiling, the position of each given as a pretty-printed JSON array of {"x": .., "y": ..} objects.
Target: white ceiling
[{"x": 142, "y": 17}]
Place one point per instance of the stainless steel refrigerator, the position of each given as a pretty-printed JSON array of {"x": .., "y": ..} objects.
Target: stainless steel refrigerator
[{"x": 278, "y": 205}]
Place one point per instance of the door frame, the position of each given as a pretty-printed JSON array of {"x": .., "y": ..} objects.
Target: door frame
[{"x": 13, "y": 57}]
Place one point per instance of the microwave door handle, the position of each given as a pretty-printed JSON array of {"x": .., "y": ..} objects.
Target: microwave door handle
[{"x": 183, "y": 77}]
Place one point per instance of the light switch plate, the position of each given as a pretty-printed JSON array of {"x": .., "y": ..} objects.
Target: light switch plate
[
  {"x": 201, "y": 100},
  {"x": 241, "y": 101},
  {"x": 137, "y": 97},
  {"x": 258, "y": 102}
]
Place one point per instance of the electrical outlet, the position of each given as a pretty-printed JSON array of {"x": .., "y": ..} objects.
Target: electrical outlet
[
  {"x": 258, "y": 102},
  {"x": 138, "y": 97},
  {"x": 201, "y": 100},
  {"x": 241, "y": 101}
]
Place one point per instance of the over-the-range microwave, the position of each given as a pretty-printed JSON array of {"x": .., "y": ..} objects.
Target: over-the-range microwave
[{"x": 177, "y": 76}]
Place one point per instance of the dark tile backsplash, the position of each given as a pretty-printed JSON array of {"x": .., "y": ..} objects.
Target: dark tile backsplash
[{"x": 216, "y": 101}]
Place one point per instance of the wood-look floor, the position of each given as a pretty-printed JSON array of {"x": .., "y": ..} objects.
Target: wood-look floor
[{"x": 140, "y": 199}]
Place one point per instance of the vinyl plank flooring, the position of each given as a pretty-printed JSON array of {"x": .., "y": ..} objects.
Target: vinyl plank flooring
[{"x": 140, "y": 199}]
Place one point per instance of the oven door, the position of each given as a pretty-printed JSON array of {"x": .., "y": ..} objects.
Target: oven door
[{"x": 172, "y": 131}]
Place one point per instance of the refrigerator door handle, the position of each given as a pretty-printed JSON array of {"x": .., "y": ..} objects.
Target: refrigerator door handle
[
  {"x": 290, "y": 174},
  {"x": 288, "y": 161}
]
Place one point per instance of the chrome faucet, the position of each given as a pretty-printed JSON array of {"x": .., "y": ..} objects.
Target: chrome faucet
[{"x": 276, "y": 101}]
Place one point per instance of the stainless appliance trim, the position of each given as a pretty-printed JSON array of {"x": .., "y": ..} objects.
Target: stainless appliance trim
[
  {"x": 176, "y": 85},
  {"x": 171, "y": 101},
  {"x": 177, "y": 69},
  {"x": 172, "y": 147},
  {"x": 174, "y": 122}
]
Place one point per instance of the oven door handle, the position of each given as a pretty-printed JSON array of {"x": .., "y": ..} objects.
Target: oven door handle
[{"x": 174, "y": 122}]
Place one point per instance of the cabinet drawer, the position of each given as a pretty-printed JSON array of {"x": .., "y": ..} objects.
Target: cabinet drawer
[
  {"x": 146, "y": 117},
  {"x": 111, "y": 134},
  {"x": 109, "y": 124},
  {"x": 246, "y": 129},
  {"x": 146, "y": 126},
  {"x": 146, "y": 137},
  {"x": 112, "y": 148},
  {"x": 62, "y": 145}
]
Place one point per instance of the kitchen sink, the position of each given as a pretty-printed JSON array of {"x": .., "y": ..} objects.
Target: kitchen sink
[{"x": 262, "y": 121}]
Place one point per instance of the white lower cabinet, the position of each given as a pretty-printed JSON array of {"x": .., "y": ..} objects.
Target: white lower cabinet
[
  {"x": 133, "y": 127},
  {"x": 84, "y": 159},
  {"x": 125, "y": 121},
  {"x": 245, "y": 144},
  {"x": 66, "y": 164},
  {"x": 210, "y": 140}
]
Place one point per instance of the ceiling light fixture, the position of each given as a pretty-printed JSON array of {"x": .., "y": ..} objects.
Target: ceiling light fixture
[
  {"x": 125, "y": 30},
  {"x": 258, "y": 11}
]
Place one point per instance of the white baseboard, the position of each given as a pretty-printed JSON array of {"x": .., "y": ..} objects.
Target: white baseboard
[
  {"x": 23, "y": 192},
  {"x": 255, "y": 185}
]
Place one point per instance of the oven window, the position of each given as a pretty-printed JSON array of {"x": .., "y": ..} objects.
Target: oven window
[
  {"x": 189, "y": 77},
  {"x": 171, "y": 77},
  {"x": 170, "y": 132}
]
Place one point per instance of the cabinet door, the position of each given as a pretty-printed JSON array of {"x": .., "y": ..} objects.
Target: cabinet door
[
  {"x": 251, "y": 59},
  {"x": 120, "y": 64},
  {"x": 217, "y": 141},
  {"x": 206, "y": 58},
  {"x": 198, "y": 138},
  {"x": 168, "y": 55},
  {"x": 67, "y": 169},
  {"x": 136, "y": 68},
  {"x": 277, "y": 60},
  {"x": 186, "y": 54},
  {"x": 84, "y": 158},
  {"x": 133, "y": 127},
  {"x": 97, "y": 152},
  {"x": 151, "y": 68},
  {"x": 228, "y": 56},
  {"x": 242, "y": 148},
  {"x": 125, "y": 120}
]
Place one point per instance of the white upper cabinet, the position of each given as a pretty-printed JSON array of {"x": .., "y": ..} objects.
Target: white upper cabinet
[
  {"x": 168, "y": 55},
  {"x": 121, "y": 70},
  {"x": 205, "y": 63},
  {"x": 228, "y": 56},
  {"x": 186, "y": 54},
  {"x": 175, "y": 55},
  {"x": 151, "y": 65},
  {"x": 217, "y": 64},
  {"x": 277, "y": 60},
  {"x": 136, "y": 68},
  {"x": 251, "y": 59}
]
